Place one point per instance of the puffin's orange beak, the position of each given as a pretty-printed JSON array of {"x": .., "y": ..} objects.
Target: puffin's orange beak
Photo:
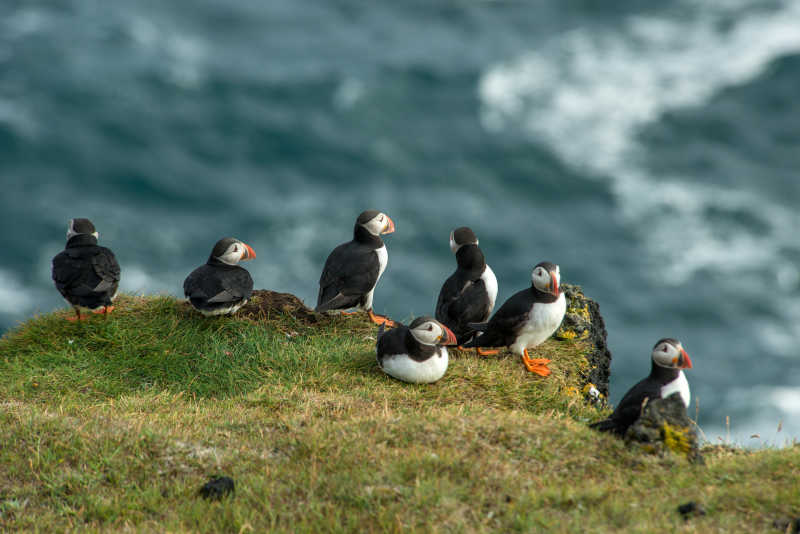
[
  {"x": 250, "y": 254},
  {"x": 554, "y": 283},
  {"x": 389, "y": 226},
  {"x": 449, "y": 335},
  {"x": 685, "y": 362}
]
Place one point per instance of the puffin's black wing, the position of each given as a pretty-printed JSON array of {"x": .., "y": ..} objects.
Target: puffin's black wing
[
  {"x": 350, "y": 272},
  {"x": 629, "y": 408},
  {"x": 390, "y": 342},
  {"x": 107, "y": 269},
  {"x": 505, "y": 324},
  {"x": 462, "y": 302},
  {"x": 218, "y": 285},
  {"x": 67, "y": 272}
]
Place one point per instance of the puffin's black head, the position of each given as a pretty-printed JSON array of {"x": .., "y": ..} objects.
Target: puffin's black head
[
  {"x": 231, "y": 251},
  {"x": 429, "y": 331},
  {"x": 375, "y": 222},
  {"x": 462, "y": 236},
  {"x": 546, "y": 277},
  {"x": 668, "y": 352},
  {"x": 79, "y": 227}
]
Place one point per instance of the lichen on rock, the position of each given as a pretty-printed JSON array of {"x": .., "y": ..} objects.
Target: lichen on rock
[
  {"x": 664, "y": 426},
  {"x": 583, "y": 321}
]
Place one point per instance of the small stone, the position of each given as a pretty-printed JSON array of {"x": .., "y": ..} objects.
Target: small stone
[
  {"x": 217, "y": 488},
  {"x": 690, "y": 509}
]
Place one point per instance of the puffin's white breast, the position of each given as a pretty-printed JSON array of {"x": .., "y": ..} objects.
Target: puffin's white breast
[
  {"x": 404, "y": 368},
  {"x": 383, "y": 260},
  {"x": 543, "y": 321},
  {"x": 490, "y": 281},
  {"x": 680, "y": 385}
]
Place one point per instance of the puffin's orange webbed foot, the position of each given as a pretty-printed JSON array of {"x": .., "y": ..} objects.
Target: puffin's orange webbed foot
[
  {"x": 486, "y": 352},
  {"x": 381, "y": 319},
  {"x": 536, "y": 365},
  {"x": 105, "y": 310}
]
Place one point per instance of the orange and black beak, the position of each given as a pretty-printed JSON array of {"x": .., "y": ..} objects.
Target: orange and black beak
[
  {"x": 684, "y": 362},
  {"x": 389, "y": 228},
  {"x": 553, "y": 283},
  {"x": 249, "y": 253},
  {"x": 447, "y": 337}
]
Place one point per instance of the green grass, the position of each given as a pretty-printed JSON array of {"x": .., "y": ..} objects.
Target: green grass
[{"x": 114, "y": 424}]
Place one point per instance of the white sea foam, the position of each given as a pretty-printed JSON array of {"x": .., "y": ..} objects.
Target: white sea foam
[
  {"x": 183, "y": 54},
  {"x": 588, "y": 93},
  {"x": 15, "y": 298}
]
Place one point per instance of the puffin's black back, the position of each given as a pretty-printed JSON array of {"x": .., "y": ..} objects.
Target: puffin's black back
[
  {"x": 463, "y": 298},
  {"x": 86, "y": 274},
  {"x": 352, "y": 270},
  {"x": 217, "y": 285}
]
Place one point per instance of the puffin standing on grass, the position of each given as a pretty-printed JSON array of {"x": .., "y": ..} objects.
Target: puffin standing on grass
[
  {"x": 353, "y": 269},
  {"x": 221, "y": 286},
  {"x": 468, "y": 296},
  {"x": 527, "y": 319},
  {"x": 86, "y": 275},
  {"x": 666, "y": 377},
  {"x": 415, "y": 353}
]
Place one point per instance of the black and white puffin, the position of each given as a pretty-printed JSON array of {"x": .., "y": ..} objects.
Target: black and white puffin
[
  {"x": 353, "y": 269},
  {"x": 527, "y": 319},
  {"x": 221, "y": 286},
  {"x": 415, "y": 353},
  {"x": 666, "y": 377},
  {"x": 86, "y": 275},
  {"x": 468, "y": 296}
]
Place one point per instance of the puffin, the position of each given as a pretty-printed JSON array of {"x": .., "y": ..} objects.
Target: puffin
[
  {"x": 221, "y": 286},
  {"x": 469, "y": 294},
  {"x": 353, "y": 269},
  {"x": 666, "y": 377},
  {"x": 86, "y": 274},
  {"x": 415, "y": 353},
  {"x": 527, "y": 319}
]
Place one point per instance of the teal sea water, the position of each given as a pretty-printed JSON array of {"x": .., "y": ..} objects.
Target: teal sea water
[{"x": 653, "y": 152}]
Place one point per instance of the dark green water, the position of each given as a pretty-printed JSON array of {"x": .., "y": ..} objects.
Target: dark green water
[{"x": 654, "y": 153}]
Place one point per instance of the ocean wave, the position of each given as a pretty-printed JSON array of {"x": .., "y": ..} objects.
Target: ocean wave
[{"x": 588, "y": 93}]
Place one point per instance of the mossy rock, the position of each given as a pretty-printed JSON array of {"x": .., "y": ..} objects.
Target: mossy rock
[
  {"x": 583, "y": 321},
  {"x": 664, "y": 426}
]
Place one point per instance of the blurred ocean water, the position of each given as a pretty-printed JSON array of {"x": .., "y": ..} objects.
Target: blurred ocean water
[{"x": 652, "y": 151}]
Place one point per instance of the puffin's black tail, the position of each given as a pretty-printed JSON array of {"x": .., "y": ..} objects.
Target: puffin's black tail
[{"x": 606, "y": 425}]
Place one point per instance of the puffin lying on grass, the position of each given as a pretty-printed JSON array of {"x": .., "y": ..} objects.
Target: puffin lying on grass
[
  {"x": 221, "y": 286},
  {"x": 468, "y": 296},
  {"x": 353, "y": 269},
  {"x": 415, "y": 353},
  {"x": 666, "y": 377},
  {"x": 86, "y": 275},
  {"x": 527, "y": 319}
]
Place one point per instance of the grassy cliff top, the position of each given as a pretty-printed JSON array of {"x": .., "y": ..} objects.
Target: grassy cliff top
[{"x": 115, "y": 424}]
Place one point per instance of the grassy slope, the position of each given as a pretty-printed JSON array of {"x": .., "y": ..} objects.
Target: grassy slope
[{"x": 114, "y": 424}]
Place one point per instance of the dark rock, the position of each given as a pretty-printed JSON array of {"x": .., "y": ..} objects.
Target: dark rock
[
  {"x": 787, "y": 525},
  {"x": 690, "y": 509},
  {"x": 217, "y": 488},
  {"x": 584, "y": 322},
  {"x": 664, "y": 425}
]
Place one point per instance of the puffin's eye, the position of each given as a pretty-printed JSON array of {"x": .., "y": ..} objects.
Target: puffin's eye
[
  {"x": 430, "y": 328},
  {"x": 235, "y": 248}
]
